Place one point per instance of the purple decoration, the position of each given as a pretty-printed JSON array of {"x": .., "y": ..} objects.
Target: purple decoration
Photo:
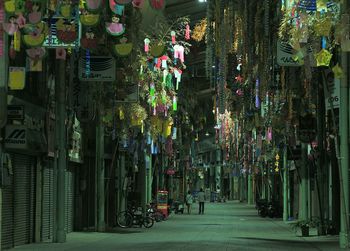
[{"x": 257, "y": 99}]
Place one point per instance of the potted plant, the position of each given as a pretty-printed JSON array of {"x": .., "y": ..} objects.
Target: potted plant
[{"x": 303, "y": 225}]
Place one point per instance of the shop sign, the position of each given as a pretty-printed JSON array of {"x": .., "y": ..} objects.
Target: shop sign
[
  {"x": 15, "y": 112},
  {"x": 102, "y": 69},
  {"x": 285, "y": 55},
  {"x": 16, "y": 137},
  {"x": 51, "y": 40}
]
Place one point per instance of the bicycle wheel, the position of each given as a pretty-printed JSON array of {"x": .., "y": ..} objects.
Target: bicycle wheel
[
  {"x": 148, "y": 222},
  {"x": 124, "y": 219}
]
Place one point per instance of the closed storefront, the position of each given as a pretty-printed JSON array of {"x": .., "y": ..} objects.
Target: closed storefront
[
  {"x": 48, "y": 205},
  {"x": 69, "y": 201},
  {"x": 18, "y": 202},
  {"x": 7, "y": 210}
]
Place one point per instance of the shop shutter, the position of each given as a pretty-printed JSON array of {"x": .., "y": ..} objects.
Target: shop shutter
[
  {"x": 24, "y": 197},
  {"x": 47, "y": 205},
  {"x": 7, "y": 216},
  {"x": 69, "y": 201}
]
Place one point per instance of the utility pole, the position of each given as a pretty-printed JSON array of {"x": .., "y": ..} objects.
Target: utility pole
[
  {"x": 100, "y": 169},
  {"x": 61, "y": 144},
  {"x": 344, "y": 147},
  {"x": 285, "y": 185}
]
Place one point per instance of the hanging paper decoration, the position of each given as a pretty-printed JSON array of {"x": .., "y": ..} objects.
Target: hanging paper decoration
[
  {"x": 17, "y": 41},
  {"x": 66, "y": 9},
  {"x": 187, "y": 32},
  {"x": 157, "y": 4},
  {"x": 157, "y": 50},
  {"x": 17, "y": 78},
  {"x": 269, "y": 134},
  {"x": 35, "y": 15},
  {"x": 36, "y": 53},
  {"x": 61, "y": 53},
  {"x": 177, "y": 74},
  {"x": 338, "y": 72},
  {"x": 323, "y": 26},
  {"x": 152, "y": 90},
  {"x": 123, "y": 49},
  {"x": 10, "y": 6},
  {"x": 36, "y": 37},
  {"x": 239, "y": 92},
  {"x": 11, "y": 27},
  {"x": 93, "y": 5},
  {"x": 179, "y": 52},
  {"x": 115, "y": 28},
  {"x": 138, "y": 3},
  {"x": 323, "y": 58},
  {"x": 66, "y": 31},
  {"x": 146, "y": 41},
  {"x": 89, "y": 19},
  {"x": 173, "y": 37},
  {"x": 21, "y": 21},
  {"x": 89, "y": 41},
  {"x": 174, "y": 103},
  {"x": 257, "y": 98}
]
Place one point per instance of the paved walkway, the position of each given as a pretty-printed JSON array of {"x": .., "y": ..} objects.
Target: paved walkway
[{"x": 224, "y": 226}]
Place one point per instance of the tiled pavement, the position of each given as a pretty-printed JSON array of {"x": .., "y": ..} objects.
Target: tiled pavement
[{"x": 224, "y": 226}]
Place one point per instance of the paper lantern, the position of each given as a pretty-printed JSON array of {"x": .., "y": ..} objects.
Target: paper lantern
[
  {"x": 323, "y": 58},
  {"x": 338, "y": 71}
]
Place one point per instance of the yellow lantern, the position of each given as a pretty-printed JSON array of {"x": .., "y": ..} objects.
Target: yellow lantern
[{"x": 323, "y": 58}]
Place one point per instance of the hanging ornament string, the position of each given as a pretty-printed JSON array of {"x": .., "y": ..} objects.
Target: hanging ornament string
[
  {"x": 147, "y": 41},
  {"x": 173, "y": 37},
  {"x": 87, "y": 63},
  {"x": 187, "y": 32}
]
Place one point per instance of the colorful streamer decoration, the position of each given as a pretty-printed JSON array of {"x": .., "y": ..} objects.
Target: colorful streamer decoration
[
  {"x": 188, "y": 32},
  {"x": 174, "y": 103},
  {"x": 257, "y": 99},
  {"x": 147, "y": 41},
  {"x": 173, "y": 37}
]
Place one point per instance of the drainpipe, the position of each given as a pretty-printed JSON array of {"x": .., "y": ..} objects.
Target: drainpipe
[
  {"x": 61, "y": 144},
  {"x": 285, "y": 185},
  {"x": 344, "y": 149},
  {"x": 100, "y": 172}
]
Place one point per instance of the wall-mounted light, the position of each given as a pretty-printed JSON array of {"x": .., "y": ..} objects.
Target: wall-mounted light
[{"x": 202, "y": 1}]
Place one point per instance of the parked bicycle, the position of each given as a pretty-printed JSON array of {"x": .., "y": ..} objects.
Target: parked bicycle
[
  {"x": 134, "y": 216},
  {"x": 155, "y": 213}
]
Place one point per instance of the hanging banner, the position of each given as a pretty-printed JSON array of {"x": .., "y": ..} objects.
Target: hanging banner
[
  {"x": 334, "y": 94},
  {"x": 285, "y": 55},
  {"x": 17, "y": 78},
  {"x": 51, "y": 41}
]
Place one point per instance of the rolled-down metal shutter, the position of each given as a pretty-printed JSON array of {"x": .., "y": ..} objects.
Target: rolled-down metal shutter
[
  {"x": 7, "y": 215},
  {"x": 47, "y": 205},
  {"x": 24, "y": 198},
  {"x": 69, "y": 201}
]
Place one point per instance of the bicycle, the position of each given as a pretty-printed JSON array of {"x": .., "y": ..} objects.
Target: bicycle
[{"x": 132, "y": 217}]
